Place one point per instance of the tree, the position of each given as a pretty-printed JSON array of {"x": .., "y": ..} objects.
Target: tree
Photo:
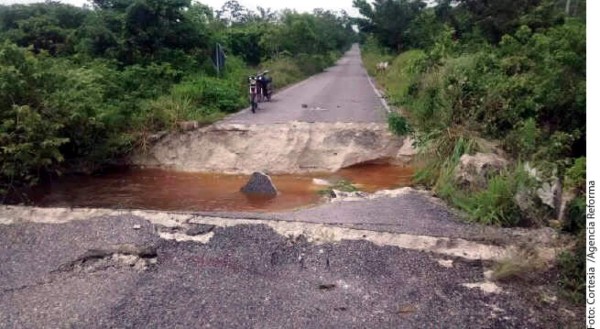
[{"x": 389, "y": 20}]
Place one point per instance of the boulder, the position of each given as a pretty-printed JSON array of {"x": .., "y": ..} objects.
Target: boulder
[
  {"x": 550, "y": 193},
  {"x": 260, "y": 183},
  {"x": 474, "y": 170}
]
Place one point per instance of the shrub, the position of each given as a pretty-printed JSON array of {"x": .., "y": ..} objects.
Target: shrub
[
  {"x": 283, "y": 70},
  {"x": 398, "y": 124},
  {"x": 571, "y": 264},
  {"x": 524, "y": 139},
  {"x": 404, "y": 72},
  {"x": 575, "y": 215},
  {"x": 210, "y": 93},
  {"x": 575, "y": 176},
  {"x": 496, "y": 204},
  {"x": 501, "y": 202},
  {"x": 30, "y": 144}
]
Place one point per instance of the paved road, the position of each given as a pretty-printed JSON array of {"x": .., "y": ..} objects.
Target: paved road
[
  {"x": 122, "y": 272},
  {"x": 341, "y": 94},
  {"x": 247, "y": 276}
]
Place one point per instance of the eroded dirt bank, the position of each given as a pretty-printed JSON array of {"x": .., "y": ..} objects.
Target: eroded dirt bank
[{"x": 294, "y": 147}]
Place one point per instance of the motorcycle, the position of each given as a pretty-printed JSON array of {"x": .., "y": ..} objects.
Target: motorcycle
[
  {"x": 266, "y": 86},
  {"x": 253, "y": 92}
]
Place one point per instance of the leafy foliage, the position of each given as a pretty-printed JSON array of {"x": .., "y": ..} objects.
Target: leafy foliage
[
  {"x": 81, "y": 87},
  {"x": 398, "y": 124},
  {"x": 527, "y": 90},
  {"x": 512, "y": 74},
  {"x": 572, "y": 268}
]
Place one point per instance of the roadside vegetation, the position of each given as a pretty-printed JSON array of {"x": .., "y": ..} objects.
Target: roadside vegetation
[
  {"x": 81, "y": 87},
  {"x": 492, "y": 77}
]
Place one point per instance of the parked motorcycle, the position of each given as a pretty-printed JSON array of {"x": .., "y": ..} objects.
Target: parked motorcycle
[
  {"x": 266, "y": 86},
  {"x": 253, "y": 92}
]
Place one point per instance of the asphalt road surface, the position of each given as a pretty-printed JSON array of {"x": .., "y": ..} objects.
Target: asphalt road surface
[
  {"x": 247, "y": 276},
  {"x": 342, "y": 93}
]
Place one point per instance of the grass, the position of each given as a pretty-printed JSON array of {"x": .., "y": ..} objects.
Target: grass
[{"x": 521, "y": 264}]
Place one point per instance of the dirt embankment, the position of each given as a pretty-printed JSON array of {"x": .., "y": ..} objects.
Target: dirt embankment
[{"x": 294, "y": 147}]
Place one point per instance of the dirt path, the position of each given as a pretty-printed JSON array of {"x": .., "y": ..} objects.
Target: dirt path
[{"x": 340, "y": 94}]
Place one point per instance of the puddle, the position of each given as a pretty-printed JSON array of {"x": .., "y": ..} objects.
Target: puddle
[{"x": 168, "y": 190}]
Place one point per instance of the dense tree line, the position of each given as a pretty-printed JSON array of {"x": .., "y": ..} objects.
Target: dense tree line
[{"x": 80, "y": 87}]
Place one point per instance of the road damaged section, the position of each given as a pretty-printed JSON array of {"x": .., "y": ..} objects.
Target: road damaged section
[
  {"x": 172, "y": 226},
  {"x": 294, "y": 147},
  {"x": 74, "y": 266}
]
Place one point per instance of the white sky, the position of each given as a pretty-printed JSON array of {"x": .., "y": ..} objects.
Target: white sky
[{"x": 299, "y": 5}]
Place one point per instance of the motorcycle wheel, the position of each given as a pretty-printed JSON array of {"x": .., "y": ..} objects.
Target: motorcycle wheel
[{"x": 253, "y": 104}]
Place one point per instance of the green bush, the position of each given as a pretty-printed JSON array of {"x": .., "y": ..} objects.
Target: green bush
[
  {"x": 30, "y": 144},
  {"x": 30, "y": 131},
  {"x": 525, "y": 139},
  {"x": 495, "y": 205},
  {"x": 575, "y": 176},
  {"x": 575, "y": 215},
  {"x": 572, "y": 271},
  {"x": 440, "y": 152},
  {"x": 526, "y": 93},
  {"x": 210, "y": 93},
  {"x": 398, "y": 124},
  {"x": 515, "y": 92},
  {"x": 284, "y": 71},
  {"x": 222, "y": 95}
]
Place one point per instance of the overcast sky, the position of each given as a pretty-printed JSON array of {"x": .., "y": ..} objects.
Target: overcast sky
[{"x": 299, "y": 5}]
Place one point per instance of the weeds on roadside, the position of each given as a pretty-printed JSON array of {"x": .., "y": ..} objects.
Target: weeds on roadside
[{"x": 521, "y": 264}]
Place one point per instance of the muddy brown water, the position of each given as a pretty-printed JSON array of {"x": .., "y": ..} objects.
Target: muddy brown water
[{"x": 168, "y": 190}]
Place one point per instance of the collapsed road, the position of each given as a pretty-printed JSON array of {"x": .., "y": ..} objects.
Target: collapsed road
[{"x": 392, "y": 259}]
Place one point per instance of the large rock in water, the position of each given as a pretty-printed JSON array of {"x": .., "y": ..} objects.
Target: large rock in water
[{"x": 260, "y": 183}]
